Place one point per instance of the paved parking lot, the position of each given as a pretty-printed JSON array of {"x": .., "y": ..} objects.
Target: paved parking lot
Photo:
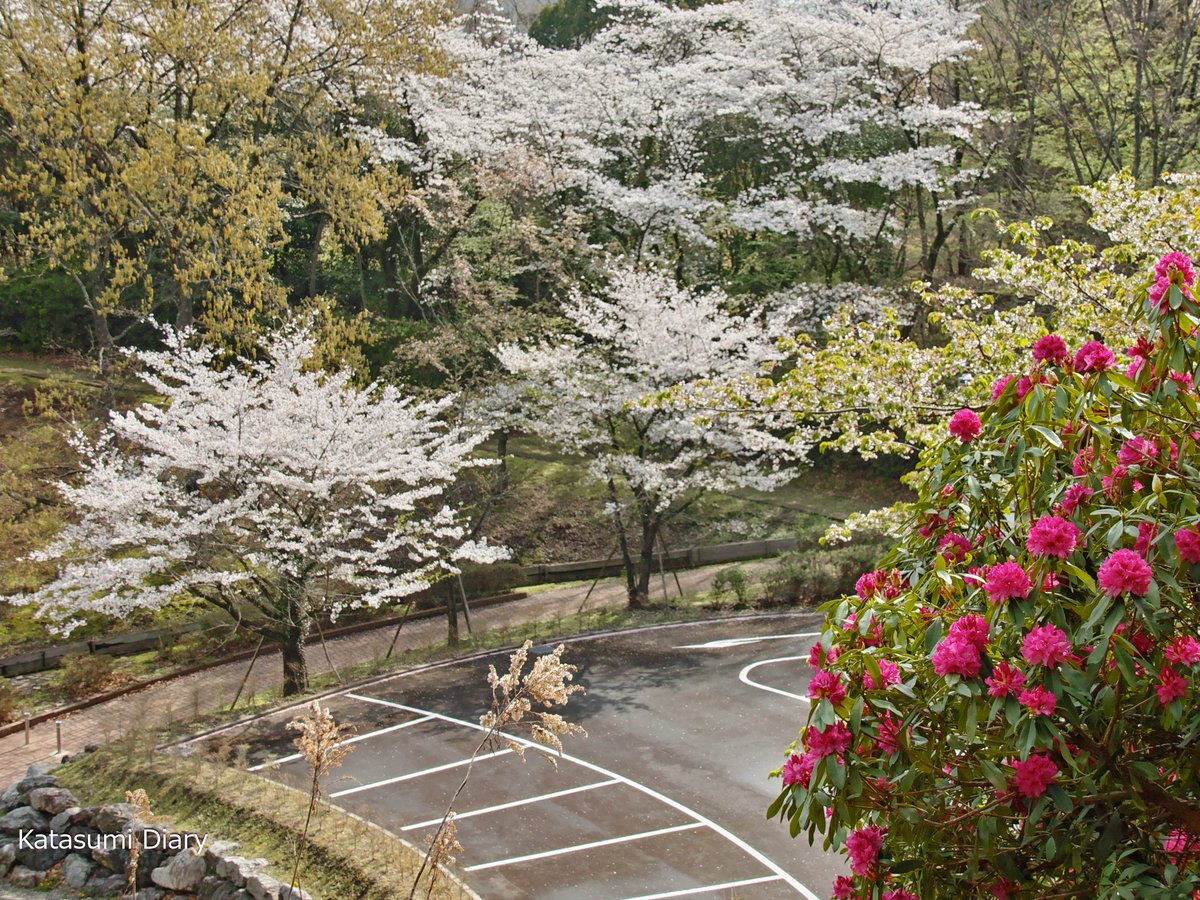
[{"x": 665, "y": 797}]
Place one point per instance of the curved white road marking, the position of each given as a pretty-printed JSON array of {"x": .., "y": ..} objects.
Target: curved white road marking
[
  {"x": 608, "y": 773},
  {"x": 513, "y": 804},
  {"x": 283, "y": 760},
  {"x": 737, "y": 642},
  {"x": 744, "y": 676},
  {"x": 704, "y": 889},
  {"x": 411, "y": 775}
]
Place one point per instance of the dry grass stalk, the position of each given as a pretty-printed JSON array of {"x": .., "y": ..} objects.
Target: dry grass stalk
[
  {"x": 322, "y": 744},
  {"x": 519, "y": 699},
  {"x": 140, "y": 801}
]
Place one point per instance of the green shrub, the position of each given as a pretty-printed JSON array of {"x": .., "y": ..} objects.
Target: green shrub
[
  {"x": 10, "y": 709},
  {"x": 818, "y": 574},
  {"x": 86, "y": 674}
]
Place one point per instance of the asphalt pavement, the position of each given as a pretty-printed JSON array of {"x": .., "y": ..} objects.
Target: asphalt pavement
[{"x": 665, "y": 797}]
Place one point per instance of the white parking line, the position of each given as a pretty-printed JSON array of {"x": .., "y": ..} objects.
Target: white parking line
[
  {"x": 512, "y": 804},
  {"x": 744, "y": 677},
  {"x": 575, "y": 848},
  {"x": 350, "y": 740},
  {"x": 728, "y": 885},
  {"x": 737, "y": 642},
  {"x": 608, "y": 773},
  {"x": 411, "y": 775}
]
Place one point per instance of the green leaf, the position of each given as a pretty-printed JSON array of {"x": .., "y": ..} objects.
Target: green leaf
[{"x": 1051, "y": 438}]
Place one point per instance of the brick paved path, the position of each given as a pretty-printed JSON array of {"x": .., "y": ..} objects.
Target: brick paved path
[{"x": 189, "y": 696}]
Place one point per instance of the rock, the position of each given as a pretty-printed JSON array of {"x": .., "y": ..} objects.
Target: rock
[
  {"x": 113, "y": 856},
  {"x": 64, "y": 820},
  {"x": 45, "y": 767},
  {"x": 237, "y": 868},
  {"x": 113, "y": 819},
  {"x": 37, "y": 856},
  {"x": 183, "y": 872},
  {"x": 262, "y": 886},
  {"x": 84, "y": 816},
  {"x": 291, "y": 892},
  {"x": 26, "y": 878},
  {"x": 8, "y": 855},
  {"x": 51, "y": 800},
  {"x": 18, "y": 793},
  {"x": 103, "y": 885},
  {"x": 219, "y": 849},
  {"x": 23, "y": 818},
  {"x": 214, "y": 888},
  {"x": 150, "y": 893},
  {"x": 76, "y": 870}
]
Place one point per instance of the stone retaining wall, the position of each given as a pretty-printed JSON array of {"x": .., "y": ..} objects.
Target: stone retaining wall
[{"x": 43, "y": 832}]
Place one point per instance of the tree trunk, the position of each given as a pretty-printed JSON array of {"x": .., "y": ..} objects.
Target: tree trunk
[
  {"x": 451, "y": 614},
  {"x": 291, "y": 647},
  {"x": 646, "y": 559},
  {"x": 635, "y": 600}
]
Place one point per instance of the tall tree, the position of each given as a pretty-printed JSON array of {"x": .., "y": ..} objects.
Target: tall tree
[
  {"x": 588, "y": 392},
  {"x": 270, "y": 490},
  {"x": 160, "y": 148}
]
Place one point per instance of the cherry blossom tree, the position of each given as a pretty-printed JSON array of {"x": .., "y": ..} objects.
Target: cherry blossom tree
[
  {"x": 588, "y": 392},
  {"x": 269, "y": 489}
]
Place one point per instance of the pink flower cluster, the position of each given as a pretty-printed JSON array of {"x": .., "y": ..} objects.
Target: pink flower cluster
[
  {"x": 1052, "y": 349},
  {"x": 958, "y": 652},
  {"x": 1046, "y": 645},
  {"x": 1124, "y": 571},
  {"x": 1074, "y": 495},
  {"x": 828, "y": 685},
  {"x": 1032, "y": 776},
  {"x": 889, "y": 584},
  {"x": 798, "y": 769},
  {"x": 1005, "y": 580},
  {"x": 1187, "y": 542},
  {"x": 1172, "y": 268},
  {"x": 1004, "y": 680},
  {"x": 1038, "y": 700},
  {"x": 965, "y": 425},
  {"x": 1171, "y": 685},
  {"x": 863, "y": 847},
  {"x": 954, "y": 547},
  {"x": 1137, "y": 451},
  {"x": 1184, "y": 650},
  {"x": 1093, "y": 357},
  {"x": 1052, "y": 536},
  {"x": 833, "y": 739}
]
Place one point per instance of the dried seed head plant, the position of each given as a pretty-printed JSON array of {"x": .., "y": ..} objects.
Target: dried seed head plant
[
  {"x": 140, "y": 801},
  {"x": 322, "y": 744},
  {"x": 442, "y": 847},
  {"x": 516, "y": 698}
]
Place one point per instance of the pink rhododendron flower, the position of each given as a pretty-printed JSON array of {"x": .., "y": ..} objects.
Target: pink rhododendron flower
[
  {"x": 1170, "y": 685},
  {"x": 863, "y": 847},
  {"x": 936, "y": 522},
  {"x": 889, "y": 733},
  {"x": 798, "y": 769},
  {"x": 1123, "y": 572},
  {"x": 828, "y": 685},
  {"x": 1187, "y": 542},
  {"x": 1052, "y": 536},
  {"x": 1135, "y": 366},
  {"x": 965, "y": 425},
  {"x": 1093, "y": 357},
  {"x": 1184, "y": 650},
  {"x": 1052, "y": 349},
  {"x": 1003, "y": 889},
  {"x": 1046, "y": 645},
  {"x": 1024, "y": 386},
  {"x": 816, "y": 655},
  {"x": 972, "y": 628},
  {"x": 1176, "y": 268},
  {"x": 1082, "y": 463},
  {"x": 955, "y": 655},
  {"x": 1147, "y": 532},
  {"x": 1181, "y": 846},
  {"x": 843, "y": 888},
  {"x": 865, "y": 586},
  {"x": 888, "y": 671},
  {"x": 1040, "y": 701},
  {"x": 900, "y": 894},
  {"x": 1050, "y": 582},
  {"x": 955, "y": 547},
  {"x": 1137, "y": 451},
  {"x": 1157, "y": 295},
  {"x": 835, "y": 738},
  {"x": 1183, "y": 381},
  {"x": 1073, "y": 496},
  {"x": 1000, "y": 384},
  {"x": 1004, "y": 680},
  {"x": 1007, "y": 579},
  {"x": 1034, "y": 775}
]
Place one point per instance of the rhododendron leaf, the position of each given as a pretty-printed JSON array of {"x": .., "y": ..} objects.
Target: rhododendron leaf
[
  {"x": 993, "y": 774},
  {"x": 1035, "y": 811},
  {"x": 1124, "y": 663},
  {"x": 1179, "y": 358},
  {"x": 1083, "y": 577},
  {"x": 1062, "y": 400},
  {"x": 836, "y": 772},
  {"x": 1115, "y": 535},
  {"x": 1175, "y": 297},
  {"x": 1027, "y": 738},
  {"x": 933, "y": 634},
  {"x": 1051, "y": 438},
  {"x": 777, "y": 804},
  {"x": 969, "y": 721}
]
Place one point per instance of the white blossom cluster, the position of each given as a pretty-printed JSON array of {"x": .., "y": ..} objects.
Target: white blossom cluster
[
  {"x": 260, "y": 485},
  {"x": 592, "y": 392}
]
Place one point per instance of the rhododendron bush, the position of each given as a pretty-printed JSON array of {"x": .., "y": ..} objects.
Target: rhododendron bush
[{"x": 1008, "y": 706}]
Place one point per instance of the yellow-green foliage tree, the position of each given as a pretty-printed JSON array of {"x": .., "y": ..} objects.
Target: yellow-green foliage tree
[{"x": 158, "y": 148}]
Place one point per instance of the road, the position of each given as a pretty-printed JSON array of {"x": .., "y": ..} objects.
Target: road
[{"x": 665, "y": 797}]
